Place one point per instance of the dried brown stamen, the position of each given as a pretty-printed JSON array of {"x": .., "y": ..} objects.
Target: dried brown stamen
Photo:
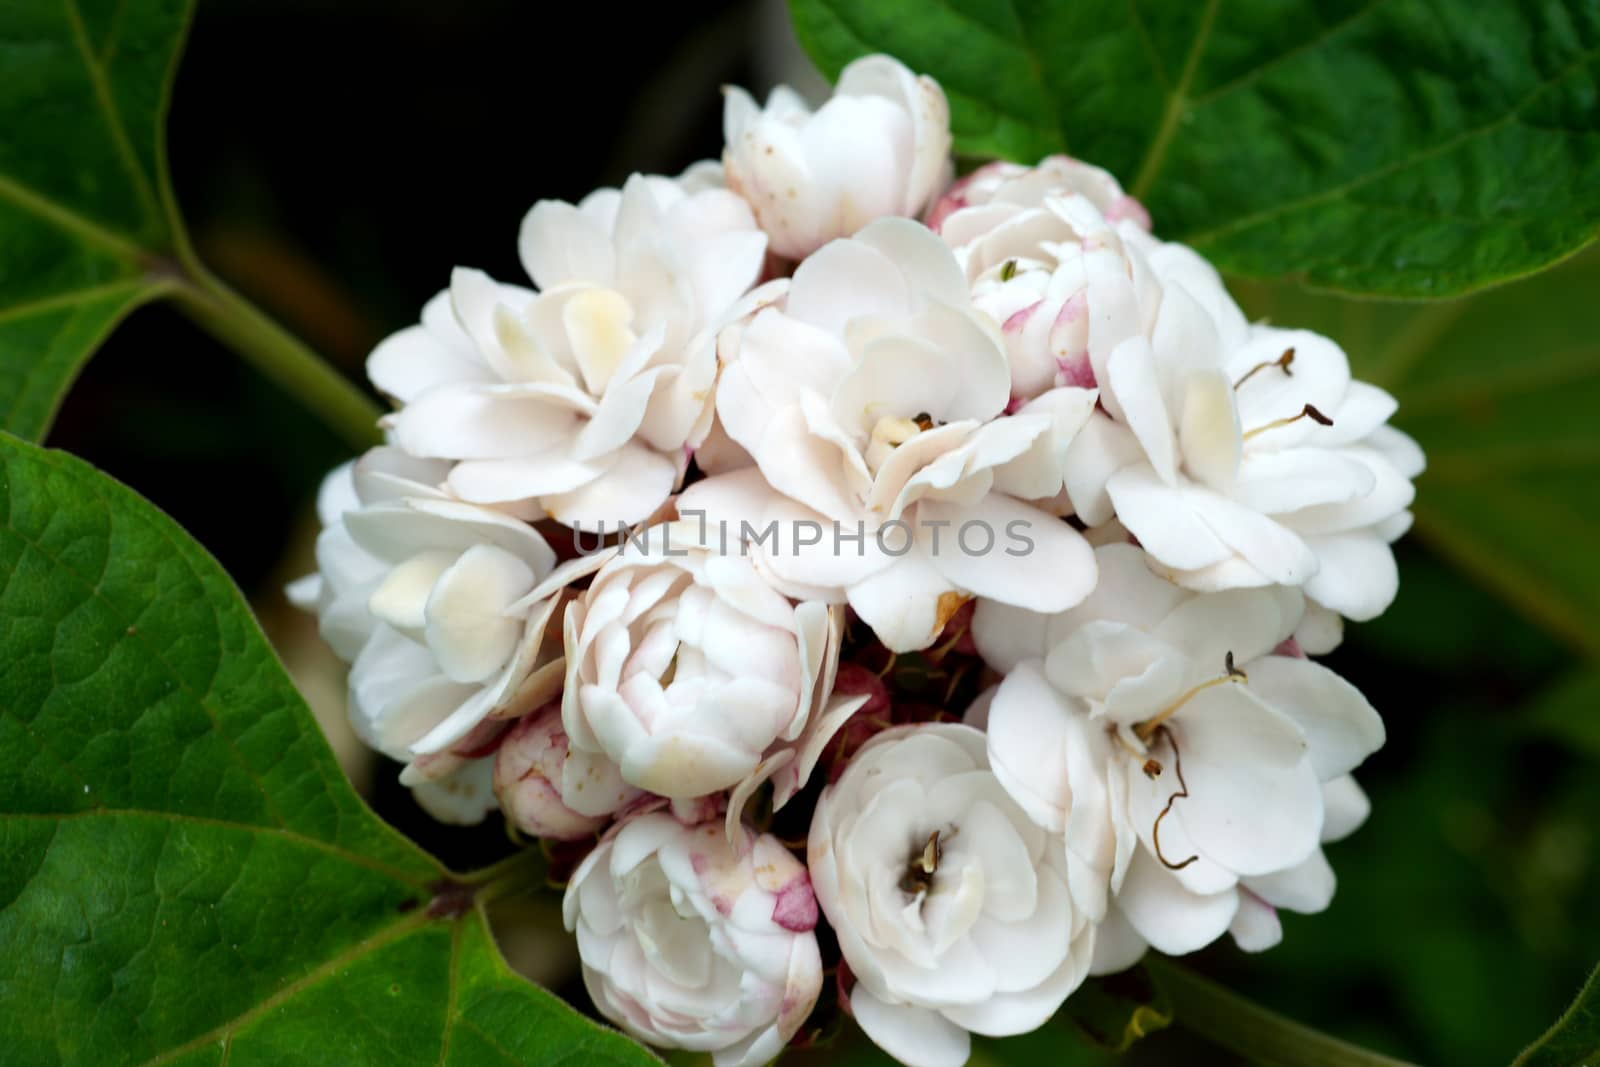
[
  {"x": 923, "y": 866},
  {"x": 1145, "y": 730},
  {"x": 1283, "y": 363},
  {"x": 1183, "y": 792},
  {"x": 1307, "y": 412}
]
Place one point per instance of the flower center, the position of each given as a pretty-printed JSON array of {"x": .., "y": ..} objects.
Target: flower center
[
  {"x": 921, "y": 867},
  {"x": 892, "y": 431}
]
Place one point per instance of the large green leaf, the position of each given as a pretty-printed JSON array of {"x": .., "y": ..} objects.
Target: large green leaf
[
  {"x": 86, "y": 223},
  {"x": 1502, "y": 391},
  {"x": 1574, "y": 1040},
  {"x": 89, "y": 229},
  {"x": 1400, "y": 147},
  {"x": 184, "y": 872}
]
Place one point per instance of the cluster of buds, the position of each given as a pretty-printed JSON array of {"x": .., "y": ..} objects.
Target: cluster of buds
[{"x": 826, "y": 541}]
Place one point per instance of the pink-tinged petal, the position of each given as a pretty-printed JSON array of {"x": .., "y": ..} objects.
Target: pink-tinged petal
[
  {"x": 1126, "y": 207},
  {"x": 795, "y": 908}
]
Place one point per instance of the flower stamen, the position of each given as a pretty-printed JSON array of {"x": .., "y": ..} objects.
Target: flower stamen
[
  {"x": 1145, "y": 730},
  {"x": 1307, "y": 412},
  {"x": 1183, "y": 792},
  {"x": 923, "y": 866},
  {"x": 1283, "y": 363}
]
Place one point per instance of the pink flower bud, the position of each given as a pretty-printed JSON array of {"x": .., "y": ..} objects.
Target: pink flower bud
[{"x": 526, "y": 768}]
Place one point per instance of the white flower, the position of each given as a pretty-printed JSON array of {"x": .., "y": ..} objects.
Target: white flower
[
  {"x": 685, "y": 668},
  {"x": 880, "y": 146},
  {"x": 534, "y": 773},
  {"x": 1187, "y": 766},
  {"x": 691, "y": 942},
  {"x": 1237, "y": 455},
  {"x": 950, "y": 905},
  {"x": 443, "y": 606},
  {"x": 586, "y": 396},
  {"x": 999, "y": 192},
  {"x": 1260, "y": 465},
  {"x": 872, "y": 398},
  {"x": 1063, "y": 261}
]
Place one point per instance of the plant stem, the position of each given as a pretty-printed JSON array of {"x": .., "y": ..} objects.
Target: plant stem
[
  {"x": 284, "y": 359},
  {"x": 522, "y": 871},
  {"x": 1236, "y": 1024}
]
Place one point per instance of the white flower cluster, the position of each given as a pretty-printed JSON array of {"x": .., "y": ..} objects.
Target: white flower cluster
[{"x": 648, "y": 540}]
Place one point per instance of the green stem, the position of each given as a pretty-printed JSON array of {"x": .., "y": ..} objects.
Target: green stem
[
  {"x": 275, "y": 352},
  {"x": 1231, "y": 1021},
  {"x": 521, "y": 872}
]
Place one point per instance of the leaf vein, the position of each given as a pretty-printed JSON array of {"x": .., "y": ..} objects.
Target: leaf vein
[
  {"x": 354, "y": 858},
  {"x": 113, "y": 117},
  {"x": 1444, "y": 147},
  {"x": 1177, "y": 102},
  {"x": 367, "y": 945}
]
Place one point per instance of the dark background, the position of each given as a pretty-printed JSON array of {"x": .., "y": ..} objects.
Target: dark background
[{"x": 337, "y": 159}]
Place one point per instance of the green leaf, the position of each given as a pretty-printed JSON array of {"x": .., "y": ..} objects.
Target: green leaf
[
  {"x": 1259, "y": 1035},
  {"x": 1574, "y": 1040},
  {"x": 89, "y": 228},
  {"x": 1501, "y": 390},
  {"x": 1414, "y": 148},
  {"x": 85, "y": 217},
  {"x": 1117, "y": 1010},
  {"x": 185, "y": 875}
]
